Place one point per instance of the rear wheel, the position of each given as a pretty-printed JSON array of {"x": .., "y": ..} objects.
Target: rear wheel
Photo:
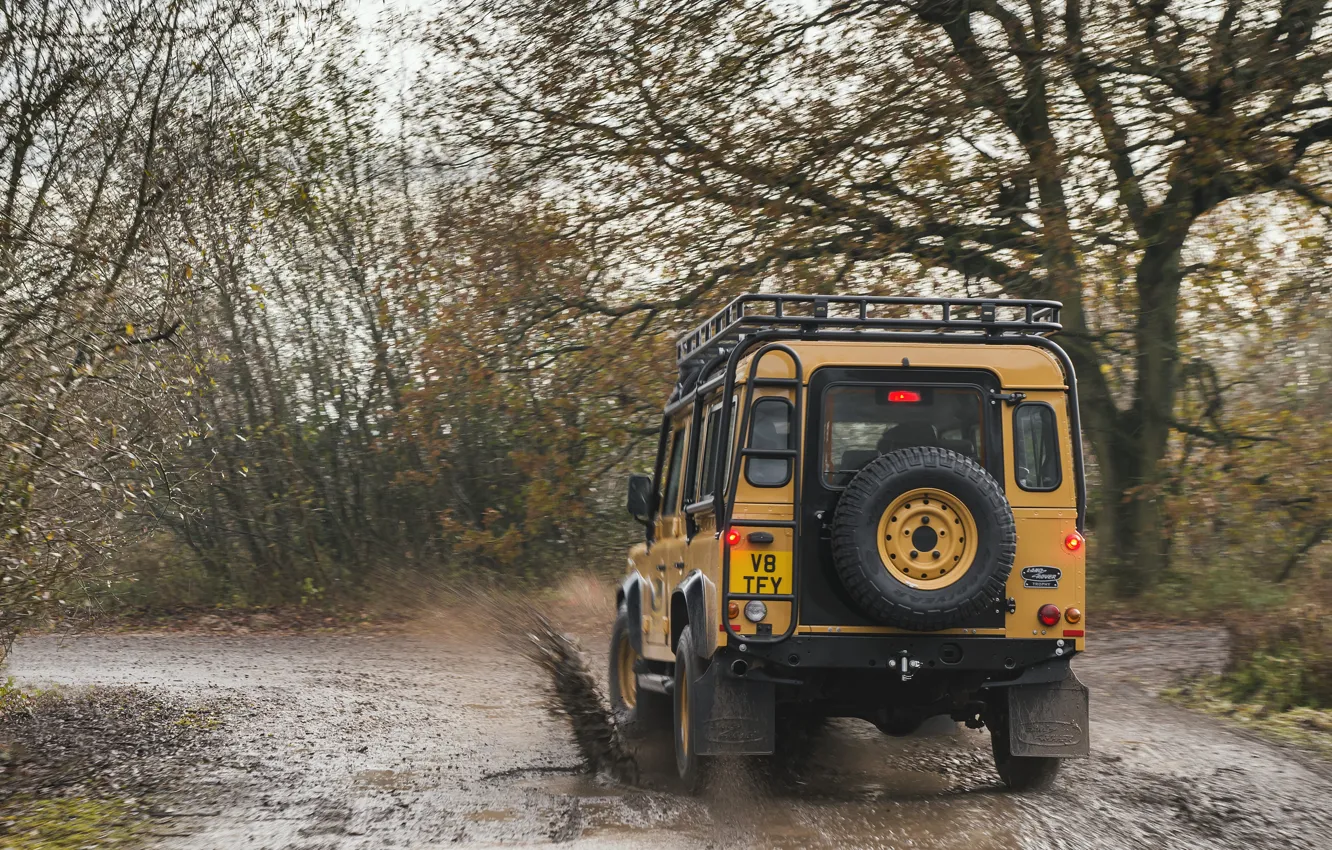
[
  {"x": 637, "y": 712},
  {"x": 1020, "y": 773},
  {"x": 688, "y": 668}
]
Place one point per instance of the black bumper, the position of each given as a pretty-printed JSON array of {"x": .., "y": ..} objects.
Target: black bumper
[{"x": 1000, "y": 656}]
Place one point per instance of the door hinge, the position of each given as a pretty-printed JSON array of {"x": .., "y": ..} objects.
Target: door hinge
[{"x": 1012, "y": 398}]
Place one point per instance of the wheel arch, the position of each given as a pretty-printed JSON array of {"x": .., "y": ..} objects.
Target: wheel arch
[
  {"x": 689, "y": 610},
  {"x": 630, "y": 595}
]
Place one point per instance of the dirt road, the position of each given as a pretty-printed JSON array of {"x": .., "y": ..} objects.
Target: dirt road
[{"x": 432, "y": 740}]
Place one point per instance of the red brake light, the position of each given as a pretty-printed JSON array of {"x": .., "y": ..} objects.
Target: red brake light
[
  {"x": 903, "y": 395},
  {"x": 732, "y": 537},
  {"x": 1073, "y": 542},
  {"x": 1049, "y": 615}
]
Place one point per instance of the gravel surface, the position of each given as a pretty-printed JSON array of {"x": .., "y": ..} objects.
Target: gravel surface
[{"x": 426, "y": 740}]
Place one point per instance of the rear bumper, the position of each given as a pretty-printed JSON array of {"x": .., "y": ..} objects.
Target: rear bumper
[
  {"x": 892, "y": 681},
  {"x": 1000, "y": 657}
]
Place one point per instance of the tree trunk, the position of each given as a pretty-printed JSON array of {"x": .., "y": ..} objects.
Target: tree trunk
[{"x": 1130, "y": 445}]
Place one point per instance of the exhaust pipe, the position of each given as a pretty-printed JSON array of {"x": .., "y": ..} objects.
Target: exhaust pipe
[{"x": 739, "y": 667}]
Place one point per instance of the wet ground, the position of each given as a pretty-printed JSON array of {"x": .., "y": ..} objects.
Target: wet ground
[{"x": 434, "y": 739}]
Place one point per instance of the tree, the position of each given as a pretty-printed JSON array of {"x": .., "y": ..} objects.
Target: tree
[
  {"x": 95, "y": 281},
  {"x": 1051, "y": 150}
]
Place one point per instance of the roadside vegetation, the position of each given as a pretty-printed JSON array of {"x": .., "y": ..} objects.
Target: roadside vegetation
[
  {"x": 80, "y": 768},
  {"x": 295, "y": 322}
]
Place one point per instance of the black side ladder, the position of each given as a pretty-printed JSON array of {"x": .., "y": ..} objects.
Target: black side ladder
[{"x": 792, "y": 455}]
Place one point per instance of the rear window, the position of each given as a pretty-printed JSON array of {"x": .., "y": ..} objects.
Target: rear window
[{"x": 862, "y": 422}]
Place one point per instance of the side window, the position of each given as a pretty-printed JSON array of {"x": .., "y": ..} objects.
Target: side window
[
  {"x": 771, "y": 429},
  {"x": 727, "y": 445},
  {"x": 670, "y": 503},
  {"x": 708, "y": 471},
  {"x": 1035, "y": 447}
]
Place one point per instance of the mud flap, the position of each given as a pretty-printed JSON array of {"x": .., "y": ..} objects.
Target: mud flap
[
  {"x": 732, "y": 716},
  {"x": 1049, "y": 719}
]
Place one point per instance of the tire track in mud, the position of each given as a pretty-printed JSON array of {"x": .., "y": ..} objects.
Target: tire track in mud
[{"x": 439, "y": 739}]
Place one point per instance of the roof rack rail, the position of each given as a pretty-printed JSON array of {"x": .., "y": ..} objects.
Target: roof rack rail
[{"x": 868, "y": 313}]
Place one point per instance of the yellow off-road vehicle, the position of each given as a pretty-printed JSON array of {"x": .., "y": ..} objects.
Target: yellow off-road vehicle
[{"x": 861, "y": 507}]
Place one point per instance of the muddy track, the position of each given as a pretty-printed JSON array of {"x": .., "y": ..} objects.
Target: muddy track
[{"x": 434, "y": 740}]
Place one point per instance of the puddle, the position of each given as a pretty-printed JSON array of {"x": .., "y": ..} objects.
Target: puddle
[
  {"x": 491, "y": 816},
  {"x": 387, "y": 780},
  {"x": 573, "y": 785},
  {"x": 850, "y": 786}
]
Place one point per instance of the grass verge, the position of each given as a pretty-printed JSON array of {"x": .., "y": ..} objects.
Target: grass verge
[
  {"x": 87, "y": 767},
  {"x": 1307, "y": 728},
  {"x": 70, "y": 823}
]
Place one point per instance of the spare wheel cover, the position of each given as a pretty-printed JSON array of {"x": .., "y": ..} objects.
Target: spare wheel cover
[{"x": 923, "y": 539}]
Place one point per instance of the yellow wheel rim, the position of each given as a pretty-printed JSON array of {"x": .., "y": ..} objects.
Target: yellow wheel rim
[
  {"x": 684, "y": 711},
  {"x": 927, "y": 539},
  {"x": 624, "y": 665}
]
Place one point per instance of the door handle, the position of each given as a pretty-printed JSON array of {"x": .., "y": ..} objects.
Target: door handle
[
  {"x": 661, "y": 568},
  {"x": 679, "y": 565}
]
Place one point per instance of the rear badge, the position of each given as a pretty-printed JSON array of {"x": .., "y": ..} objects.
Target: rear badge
[{"x": 1042, "y": 578}]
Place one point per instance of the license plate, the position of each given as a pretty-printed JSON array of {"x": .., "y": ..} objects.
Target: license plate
[{"x": 760, "y": 572}]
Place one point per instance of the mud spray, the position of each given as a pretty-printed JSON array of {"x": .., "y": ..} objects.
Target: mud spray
[{"x": 575, "y": 694}]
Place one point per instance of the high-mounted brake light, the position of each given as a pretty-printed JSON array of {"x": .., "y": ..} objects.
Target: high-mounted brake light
[
  {"x": 1073, "y": 542},
  {"x": 1049, "y": 615},
  {"x": 732, "y": 537},
  {"x": 903, "y": 395}
]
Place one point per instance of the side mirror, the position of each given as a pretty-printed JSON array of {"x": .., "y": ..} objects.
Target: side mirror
[{"x": 640, "y": 497}]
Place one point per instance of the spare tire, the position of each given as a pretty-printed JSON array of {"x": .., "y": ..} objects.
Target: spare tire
[{"x": 923, "y": 539}]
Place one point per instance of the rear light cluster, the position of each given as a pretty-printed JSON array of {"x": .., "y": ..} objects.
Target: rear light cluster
[
  {"x": 1049, "y": 615},
  {"x": 1074, "y": 542}
]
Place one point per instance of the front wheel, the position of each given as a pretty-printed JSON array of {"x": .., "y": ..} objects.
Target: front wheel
[
  {"x": 638, "y": 713},
  {"x": 688, "y": 669},
  {"x": 1019, "y": 773}
]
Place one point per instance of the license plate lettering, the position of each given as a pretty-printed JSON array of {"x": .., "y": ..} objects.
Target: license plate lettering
[{"x": 759, "y": 572}]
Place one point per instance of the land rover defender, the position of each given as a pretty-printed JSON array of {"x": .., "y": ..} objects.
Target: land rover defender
[{"x": 863, "y": 507}]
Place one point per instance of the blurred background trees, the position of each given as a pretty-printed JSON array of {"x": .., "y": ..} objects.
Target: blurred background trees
[
  {"x": 111, "y": 113},
  {"x": 1062, "y": 151},
  {"x": 298, "y": 300}
]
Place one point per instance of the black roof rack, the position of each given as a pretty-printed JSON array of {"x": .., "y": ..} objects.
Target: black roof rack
[{"x": 811, "y": 313}]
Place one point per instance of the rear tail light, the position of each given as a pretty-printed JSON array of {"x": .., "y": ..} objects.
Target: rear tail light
[
  {"x": 732, "y": 537},
  {"x": 1074, "y": 542},
  {"x": 1049, "y": 615},
  {"x": 1073, "y": 615}
]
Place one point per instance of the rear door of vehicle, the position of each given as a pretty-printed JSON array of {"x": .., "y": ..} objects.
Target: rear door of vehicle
[{"x": 855, "y": 414}]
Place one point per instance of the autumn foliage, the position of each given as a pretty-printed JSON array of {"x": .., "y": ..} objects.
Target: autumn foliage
[{"x": 286, "y": 316}]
